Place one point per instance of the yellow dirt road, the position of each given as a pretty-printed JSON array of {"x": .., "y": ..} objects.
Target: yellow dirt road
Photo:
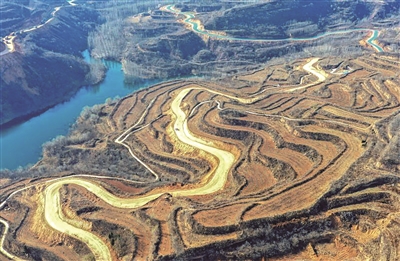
[
  {"x": 53, "y": 210},
  {"x": 55, "y": 218},
  {"x": 226, "y": 159},
  {"x": 321, "y": 75},
  {"x": 2, "y": 250}
]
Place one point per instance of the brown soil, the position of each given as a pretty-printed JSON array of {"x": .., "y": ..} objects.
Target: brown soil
[{"x": 309, "y": 181}]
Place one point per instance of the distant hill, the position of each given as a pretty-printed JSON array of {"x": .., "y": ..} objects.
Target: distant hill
[
  {"x": 47, "y": 67},
  {"x": 298, "y": 18}
]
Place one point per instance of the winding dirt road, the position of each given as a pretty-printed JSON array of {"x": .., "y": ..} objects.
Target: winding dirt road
[
  {"x": 53, "y": 212},
  {"x": 320, "y": 74},
  {"x": 121, "y": 139},
  {"x": 56, "y": 219},
  {"x": 2, "y": 250},
  {"x": 9, "y": 39},
  {"x": 225, "y": 158}
]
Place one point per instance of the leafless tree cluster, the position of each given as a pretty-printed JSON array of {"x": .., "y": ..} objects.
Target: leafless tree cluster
[
  {"x": 295, "y": 28},
  {"x": 108, "y": 41},
  {"x": 96, "y": 73}
]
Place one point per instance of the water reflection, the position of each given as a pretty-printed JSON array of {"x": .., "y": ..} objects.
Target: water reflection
[{"x": 21, "y": 144}]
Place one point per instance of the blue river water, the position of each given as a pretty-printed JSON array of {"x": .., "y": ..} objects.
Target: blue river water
[
  {"x": 373, "y": 38},
  {"x": 190, "y": 16},
  {"x": 21, "y": 144}
]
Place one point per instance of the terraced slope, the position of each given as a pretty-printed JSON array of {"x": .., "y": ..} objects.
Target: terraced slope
[{"x": 296, "y": 161}]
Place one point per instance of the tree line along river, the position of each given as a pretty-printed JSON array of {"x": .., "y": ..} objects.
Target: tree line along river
[{"x": 21, "y": 144}]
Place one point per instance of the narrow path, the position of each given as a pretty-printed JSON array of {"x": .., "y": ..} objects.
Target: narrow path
[
  {"x": 9, "y": 39},
  {"x": 226, "y": 159},
  {"x": 56, "y": 219},
  {"x": 53, "y": 210},
  {"x": 121, "y": 139},
  {"x": 3, "y": 236}
]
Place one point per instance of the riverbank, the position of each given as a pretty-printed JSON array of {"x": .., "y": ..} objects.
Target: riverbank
[
  {"x": 16, "y": 138},
  {"x": 43, "y": 65}
]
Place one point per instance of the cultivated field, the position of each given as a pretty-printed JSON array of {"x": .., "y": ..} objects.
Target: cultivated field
[{"x": 293, "y": 162}]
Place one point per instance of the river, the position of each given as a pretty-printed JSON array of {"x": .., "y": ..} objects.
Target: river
[
  {"x": 195, "y": 26},
  {"x": 373, "y": 37},
  {"x": 21, "y": 144}
]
